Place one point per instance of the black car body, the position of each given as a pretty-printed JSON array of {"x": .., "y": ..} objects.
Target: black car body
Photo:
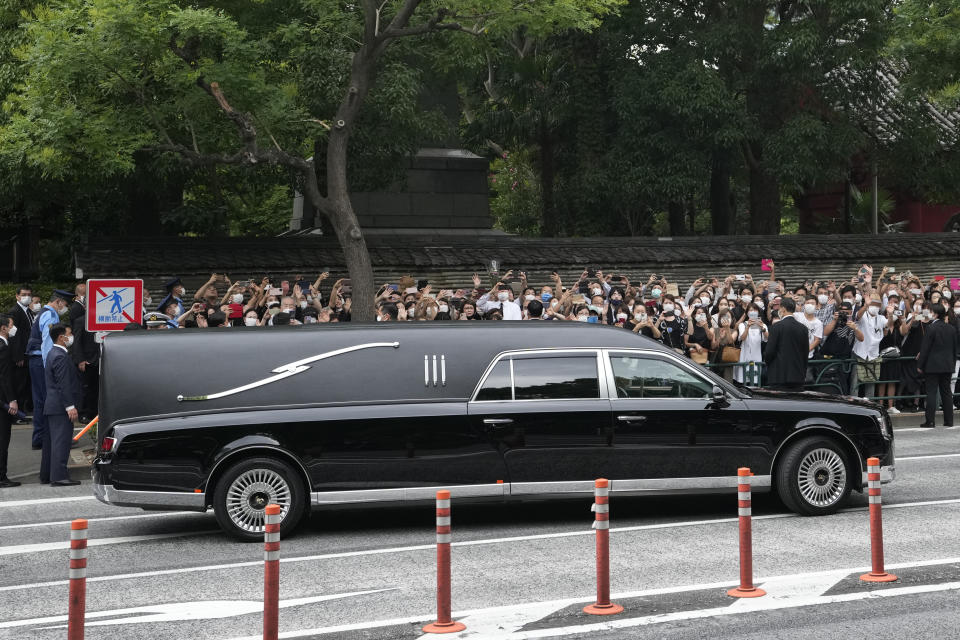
[{"x": 321, "y": 415}]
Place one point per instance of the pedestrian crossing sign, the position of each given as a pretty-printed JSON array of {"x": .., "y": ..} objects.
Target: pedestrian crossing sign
[{"x": 113, "y": 304}]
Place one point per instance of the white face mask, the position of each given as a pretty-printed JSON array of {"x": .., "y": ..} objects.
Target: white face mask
[
  {"x": 444, "y": 308},
  {"x": 529, "y": 297},
  {"x": 809, "y": 308},
  {"x": 640, "y": 317},
  {"x": 858, "y": 298},
  {"x": 69, "y": 342},
  {"x": 873, "y": 310},
  {"x": 753, "y": 315},
  {"x": 503, "y": 296},
  {"x": 237, "y": 298},
  {"x": 13, "y": 331},
  {"x": 759, "y": 304},
  {"x": 956, "y": 309},
  {"x": 303, "y": 304},
  {"x": 35, "y": 306},
  {"x": 916, "y": 292},
  {"x": 597, "y": 292},
  {"x": 667, "y": 308},
  {"x": 289, "y": 310},
  {"x": 147, "y": 302},
  {"x": 704, "y": 300},
  {"x": 621, "y": 317},
  {"x": 747, "y": 298},
  {"x": 582, "y": 318},
  {"x": 822, "y": 298},
  {"x": 771, "y": 297},
  {"x": 927, "y": 314},
  {"x": 250, "y": 322},
  {"x": 25, "y": 300},
  {"x": 700, "y": 317},
  {"x": 947, "y": 295},
  {"x": 850, "y": 300},
  {"x": 731, "y": 297}
]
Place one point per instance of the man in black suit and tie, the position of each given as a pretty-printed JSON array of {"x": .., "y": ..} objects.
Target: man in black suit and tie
[
  {"x": 786, "y": 352},
  {"x": 22, "y": 319},
  {"x": 936, "y": 359},
  {"x": 85, "y": 353},
  {"x": 64, "y": 394},
  {"x": 7, "y": 397}
]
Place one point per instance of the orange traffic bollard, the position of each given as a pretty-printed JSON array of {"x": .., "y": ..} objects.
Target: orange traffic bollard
[
  {"x": 444, "y": 623},
  {"x": 601, "y": 509},
  {"x": 877, "y": 574},
  {"x": 271, "y": 573},
  {"x": 745, "y": 514},
  {"x": 78, "y": 579}
]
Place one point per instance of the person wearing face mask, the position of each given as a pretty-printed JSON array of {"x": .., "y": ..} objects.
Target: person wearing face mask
[
  {"x": 85, "y": 353},
  {"x": 22, "y": 319},
  {"x": 953, "y": 319},
  {"x": 8, "y": 400},
  {"x": 642, "y": 323},
  {"x": 250, "y": 319},
  {"x": 509, "y": 308},
  {"x": 808, "y": 318},
  {"x": 672, "y": 326},
  {"x": 787, "y": 348},
  {"x": 912, "y": 329},
  {"x": 874, "y": 326},
  {"x": 753, "y": 333},
  {"x": 839, "y": 336},
  {"x": 64, "y": 395},
  {"x": 726, "y": 333},
  {"x": 37, "y": 349},
  {"x": 935, "y": 362},
  {"x": 175, "y": 293},
  {"x": 700, "y": 338},
  {"x": 826, "y": 305}
]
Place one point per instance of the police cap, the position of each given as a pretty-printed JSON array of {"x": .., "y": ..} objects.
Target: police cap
[
  {"x": 156, "y": 319},
  {"x": 170, "y": 284}
]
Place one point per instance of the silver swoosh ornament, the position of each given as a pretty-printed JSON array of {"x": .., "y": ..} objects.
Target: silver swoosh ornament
[{"x": 287, "y": 370}]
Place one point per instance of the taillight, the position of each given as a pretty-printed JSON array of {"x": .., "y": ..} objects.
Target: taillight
[{"x": 106, "y": 445}]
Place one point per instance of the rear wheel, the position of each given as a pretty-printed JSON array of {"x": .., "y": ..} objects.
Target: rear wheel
[
  {"x": 813, "y": 477},
  {"x": 247, "y": 487}
]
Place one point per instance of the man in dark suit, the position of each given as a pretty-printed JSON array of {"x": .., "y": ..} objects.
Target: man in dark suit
[
  {"x": 7, "y": 396},
  {"x": 22, "y": 319},
  {"x": 85, "y": 353},
  {"x": 936, "y": 359},
  {"x": 786, "y": 352},
  {"x": 64, "y": 394}
]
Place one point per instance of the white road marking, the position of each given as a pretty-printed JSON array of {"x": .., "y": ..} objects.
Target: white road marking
[
  {"x": 60, "y": 523},
  {"x": 431, "y": 547},
  {"x": 96, "y": 542},
  {"x": 24, "y": 503},
  {"x": 178, "y": 611},
  {"x": 927, "y": 457},
  {"x": 785, "y": 591}
]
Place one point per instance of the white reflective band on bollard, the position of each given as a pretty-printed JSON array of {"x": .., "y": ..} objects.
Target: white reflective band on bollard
[
  {"x": 744, "y": 511},
  {"x": 600, "y": 508},
  {"x": 271, "y": 555},
  {"x": 78, "y": 573},
  {"x": 443, "y": 504},
  {"x": 743, "y": 495},
  {"x": 444, "y": 538},
  {"x": 601, "y": 491},
  {"x": 271, "y": 537},
  {"x": 78, "y": 534},
  {"x": 873, "y": 500},
  {"x": 601, "y": 524},
  {"x": 443, "y": 521},
  {"x": 78, "y": 554}
]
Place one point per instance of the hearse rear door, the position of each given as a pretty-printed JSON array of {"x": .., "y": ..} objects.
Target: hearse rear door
[{"x": 549, "y": 414}]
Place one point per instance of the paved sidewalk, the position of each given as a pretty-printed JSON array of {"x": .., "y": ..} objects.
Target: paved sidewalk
[{"x": 23, "y": 463}]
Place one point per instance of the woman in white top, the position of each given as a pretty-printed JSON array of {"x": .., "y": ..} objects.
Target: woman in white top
[{"x": 752, "y": 333}]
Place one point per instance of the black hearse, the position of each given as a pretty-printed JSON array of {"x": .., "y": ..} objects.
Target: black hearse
[{"x": 362, "y": 413}]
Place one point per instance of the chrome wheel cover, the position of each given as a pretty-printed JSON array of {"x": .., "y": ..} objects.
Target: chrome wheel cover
[
  {"x": 822, "y": 477},
  {"x": 250, "y": 494}
]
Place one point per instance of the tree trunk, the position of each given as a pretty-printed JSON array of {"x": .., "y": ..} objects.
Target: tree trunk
[
  {"x": 675, "y": 215},
  {"x": 721, "y": 214},
  {"x": 551, "y": 226},
  {"x": 764, "y": 202}
]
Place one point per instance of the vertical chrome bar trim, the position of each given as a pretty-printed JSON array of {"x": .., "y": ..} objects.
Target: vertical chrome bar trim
[
  {"x": 426, "y": 370},
  {"x": 513, "y": 386},
  {"x": 434, "y": 369},
  {"x": 443, "y": 370}
]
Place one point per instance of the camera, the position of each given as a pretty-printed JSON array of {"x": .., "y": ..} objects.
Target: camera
[{"x": 842, "y": 318}]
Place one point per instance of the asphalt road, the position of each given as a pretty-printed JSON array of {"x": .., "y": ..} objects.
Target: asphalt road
[{"x": 520, "y": 570}]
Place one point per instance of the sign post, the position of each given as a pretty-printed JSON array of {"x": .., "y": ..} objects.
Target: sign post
[{"x": 113, "y": 304}]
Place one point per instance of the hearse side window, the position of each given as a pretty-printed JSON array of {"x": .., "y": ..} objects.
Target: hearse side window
[
  {"x": 643, "y": 377},
  {"x": 497, "y": 384},
  {"x": 555, "y": 378}
]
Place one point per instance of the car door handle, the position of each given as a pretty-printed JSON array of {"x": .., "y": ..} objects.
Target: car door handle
[
  {"x": 632, "y": 418},
  {"x": 497, "y": 421}
]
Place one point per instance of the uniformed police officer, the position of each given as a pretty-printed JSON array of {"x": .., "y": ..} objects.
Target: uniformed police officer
[
  {"x": 37, "y": 349},
  {"x": 175, "y": 293},
  {"x": 157, "y": 320}
]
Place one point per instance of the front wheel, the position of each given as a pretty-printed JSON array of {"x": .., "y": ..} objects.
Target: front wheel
[
  {"x": 247, "y": 487},
  {"x": 813, "y": 477}
]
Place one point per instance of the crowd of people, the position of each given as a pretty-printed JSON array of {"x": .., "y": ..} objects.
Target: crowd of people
[{"x": 892, "y": 337}]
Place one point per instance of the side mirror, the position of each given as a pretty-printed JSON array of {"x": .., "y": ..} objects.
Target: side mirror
[{"x": 718, "y": 396}]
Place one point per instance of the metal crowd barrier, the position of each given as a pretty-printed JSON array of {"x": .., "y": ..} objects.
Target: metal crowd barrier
[{"x": 830, "y": 375}]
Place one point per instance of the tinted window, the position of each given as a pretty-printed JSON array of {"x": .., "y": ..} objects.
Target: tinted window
[
  {"x": 554, "y": 378},
  {"x": 639, "y": 377},
  {"x": 497, "y": 384}
]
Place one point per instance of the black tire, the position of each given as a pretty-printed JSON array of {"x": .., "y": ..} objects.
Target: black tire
[
  {"x": 814, "y": 476},
  {"x": 246, "y": 487}
]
